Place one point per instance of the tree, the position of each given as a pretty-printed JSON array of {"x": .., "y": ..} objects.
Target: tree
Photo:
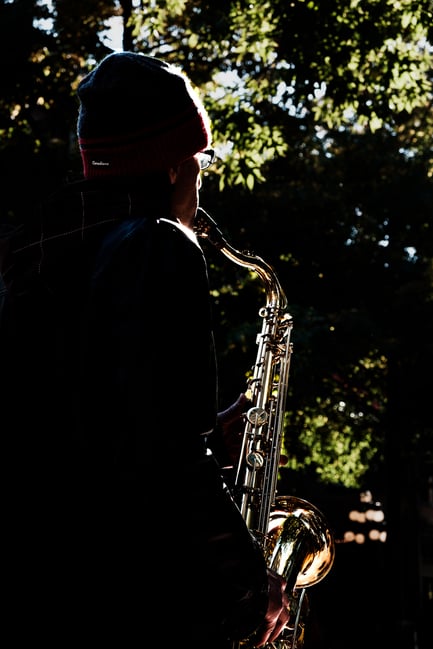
[{"x": 323, "y": 107}]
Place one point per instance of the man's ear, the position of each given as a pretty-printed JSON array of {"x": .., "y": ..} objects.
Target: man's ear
[{"x": 172, "y": 174}]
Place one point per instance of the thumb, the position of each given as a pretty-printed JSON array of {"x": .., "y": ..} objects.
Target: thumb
[{"x": 234, "y": 411}]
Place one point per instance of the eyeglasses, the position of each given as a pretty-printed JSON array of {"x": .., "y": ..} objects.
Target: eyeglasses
[{"x": 206, "y": 158}]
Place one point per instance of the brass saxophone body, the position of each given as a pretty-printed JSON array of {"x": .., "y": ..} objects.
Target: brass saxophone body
[{"x": 293, "y": 534}]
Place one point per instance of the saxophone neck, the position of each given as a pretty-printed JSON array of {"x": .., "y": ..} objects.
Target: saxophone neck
[{"x": 206, "y": 228}]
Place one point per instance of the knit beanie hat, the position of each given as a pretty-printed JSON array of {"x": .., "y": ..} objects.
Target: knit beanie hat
[{"x": 138, "y": 114}]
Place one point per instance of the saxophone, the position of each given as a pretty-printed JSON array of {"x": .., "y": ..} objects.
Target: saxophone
[{"x": 293, "y": 534}]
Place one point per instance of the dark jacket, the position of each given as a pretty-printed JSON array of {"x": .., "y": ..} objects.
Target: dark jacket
[{"x": 118, "y": 511}]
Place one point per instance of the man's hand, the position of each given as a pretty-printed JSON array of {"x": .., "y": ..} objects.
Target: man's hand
[
  {"x": 277, "y": 614},
  {"x": 232, "y": 423}
]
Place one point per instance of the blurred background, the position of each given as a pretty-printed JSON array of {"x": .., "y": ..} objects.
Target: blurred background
[{"x": 323, "y": 127}]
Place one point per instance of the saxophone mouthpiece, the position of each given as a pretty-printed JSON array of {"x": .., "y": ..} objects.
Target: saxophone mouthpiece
[{"x": 206, "y": 228}]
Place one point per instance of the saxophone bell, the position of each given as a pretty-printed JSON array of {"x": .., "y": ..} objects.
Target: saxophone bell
[
  {"x": 299, "y": 545},
  {"x": 301, "y": 548}
]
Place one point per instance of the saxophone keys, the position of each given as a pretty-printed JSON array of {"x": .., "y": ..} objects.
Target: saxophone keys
[
  {"x": 257, "y": 416},
  {"x": 255, "y": 460}
]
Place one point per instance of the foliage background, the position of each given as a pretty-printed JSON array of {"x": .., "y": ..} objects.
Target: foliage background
[{"x": 323, "y": 125}]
